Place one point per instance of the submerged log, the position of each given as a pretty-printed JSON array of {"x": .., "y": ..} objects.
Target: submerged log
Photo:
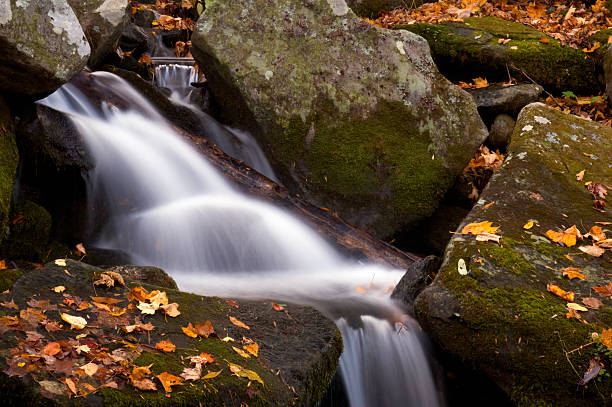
[{"x": 350, "y": 240}]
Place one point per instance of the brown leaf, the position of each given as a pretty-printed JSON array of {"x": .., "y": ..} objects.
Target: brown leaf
[
  {"x": 138, "y": 327},
  {"x": 81, "y": 249},
  {"x": 559, "y": 292},
  {"x": 606, "y": 338},
  {"x": 108, "y": 278},
  {"x": 592, "y": 302},
  {"x": 205, "y": 329},
  {"x": 193, "y": 373},
  {"x": 238, "y": 323},
  {"x": 90, "y": 368},
  {"x": 580, "y": 175},
  {"x": 597, "y": 189},
  {"x": 572, "y": 273},
  {"x": 592, "y": 250},
  {"x": 52, "y": 348},
  {"x": 10, "y": 305},
  {"x": 605, "y": 290},
  {"x": 202, "y": 359},
  {"x": 144, "y": 384},
  {"x": 107, "y": 300},
  {"x": 233, "y": 303},
  {"x": 165, "y": 346},
  {"x": 168, "y": 380},
  {"x": 171, "y": 310}
]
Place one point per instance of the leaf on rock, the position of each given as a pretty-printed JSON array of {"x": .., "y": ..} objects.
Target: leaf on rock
[
  {"x": 10, "y": 305},
  {"x": 147, "y": 308},
  {"x": 576, "y": 307},
  {"x": 144, "y": 384},
  {"x": 241, "y": 352},
  {"x": 203, "y": 358},
  {"x": 212, "y": 375},
  {"x": 75, "y": 322},
  {"x": 561, "y": 293},
  {"x": 108, "y": 278},
  {"x": 233, "y": 303},
  {"x": 107, "y": 300},
  {"x": 59, "y": 289},
  {"x": 190, "y": 331},
  {"x": 573, "y": 272},
  {"x": 168, "y": 380},
  {"x": 528, "y": 225},
  {"x": 596, "y": 233},
  {"x": 252, "y": 348},
  {"x": 90, "y": 369},
  {"x": 140, "y": 372},
  {"x": 597, "y": 189},
  {"x": 592, "y": 250},
  {"x": 241, "y": 372},
  {"x": 605, "y": 290},
  {"x": 192, "y": 373},
  {"x": 238, "y": 323},
  {"x": 566, "y": 238},
  {"x": 138, "y": 327},
  {"x": 205, "y": 329},
  {"x": 485, "y": 237},
  {"x": 277, "y": 307},
  {"x": 139, "y": 294},
  {"x": 166, "y": 346},
  {"x": 60, "y": 262},
  {"x": 171, "y": 310},
  {"x": 592, "y": 302},
  {"x": 480, "y": 227}
]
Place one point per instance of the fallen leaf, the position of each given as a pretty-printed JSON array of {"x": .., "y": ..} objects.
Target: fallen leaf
[
  {"x": 461, "y": 267},
  {"x": 597, "y": 189},
  {"x": 241, "y": 352},
  {"x": 60, "y": 262},
  {"x": 592, "y": 250},
  {"x": 168, "y": 380},
  {"x": 206, "y": 329},
  {"x": 193, "y": 373},
  {"x": 559, "y": 292},
  {"x": 107, "y": 300},
  {"x": 277, "y": 307},
  {"x": 90, "y": 369},
  {"x": 228, "y": 339},
  {"x": 576, "y": 307},
  {"x": 59, "y": 289},
  {"x": 606, "y": 338},
  {"x": 477, "y": 228},
  {"x": 595, "y": 46},
  {"x": 544, "y": 40},
  {"x": 592, "y": 372},
  {"x": 238, "y": 323},
  {"x": 592, "y": 302},
  {"x": 147, "y": 308},
  {"x": 71, "y": 385},
  {"x": 485, "y": 237},
  {"x": 566, "y": 238},
  {"x": 139, "y": 294},
  {"x": 10, "y": 305},
  {"x": 137, "y": 327},
  {"x": 233, "y": 303},
  {"x": 108, "y": 278},
  {"x": 596, "y": 233},
  {"x": 241, "y": 372},
  {"x": 212, "y": 375},
  {"x": 52, "y": 348},
  {"x": 252, "y": 348},
  {"x": 203, "y": 358},
  {"x": 190, "y": 331},
  {"x": 140, "y": 372},
  {"x": 572, "y": 273},
  {"x": 528, "y": 225},
  {"x": 171, "y": 309},
  {"x": 144, "y": 384},
  {"x": 166, "y": 346},
  {"x": 605, "y": 290},
  {"x": 75, "y": 322},
  {"x": 480, "y": 82},
  {"x": 580, "y": 175},
  {"x": 81, "y": 249}
]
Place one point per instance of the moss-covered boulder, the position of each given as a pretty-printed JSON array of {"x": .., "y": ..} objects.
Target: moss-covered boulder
[
  {"x": 9, "y": 158},
  {"x": 42, "y": 46},
  {"x": 29, "y": 232},
  {"x": 463, "y": 51},
  {"x": 93, "y": 363},
  {"x": 497, "y": 315},
  {"x": 353, "y": 117},
  {"x": 370, "y": 8},
  {"x": 103, "y": 22}
]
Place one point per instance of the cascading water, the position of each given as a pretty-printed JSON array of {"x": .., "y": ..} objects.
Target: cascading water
[{"x": 170, "y": 208}]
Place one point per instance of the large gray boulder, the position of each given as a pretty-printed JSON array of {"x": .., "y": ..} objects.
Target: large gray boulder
[
  {"x": 353, "y": 117},
  {"x": 495, "y": 312},
  {"x": 42, "y": 46},
  {"x": 102, "y": 21}
]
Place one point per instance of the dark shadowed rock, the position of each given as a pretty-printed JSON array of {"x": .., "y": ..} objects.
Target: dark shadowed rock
[
  {"x": 499, "y": 317},
  {"x": 9, "y": 158},
  {"x": 608, "y": 72},
  {"x": 298, "y": 350},
  {"x": 102, "y": 21},
  {"x": 353, "y": 117},
  {"x": 417, "y": 277},
  {"x": 495, "y": 100},
  {"x": 501, "y": 131},
  {"x": 42, "y": 46}
]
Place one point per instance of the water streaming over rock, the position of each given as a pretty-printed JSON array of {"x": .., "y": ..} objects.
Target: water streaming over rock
[{"x": 170, "y": 208}]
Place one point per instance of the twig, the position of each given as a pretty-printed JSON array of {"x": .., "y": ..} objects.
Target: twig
[{"x": 535, "y": 83}]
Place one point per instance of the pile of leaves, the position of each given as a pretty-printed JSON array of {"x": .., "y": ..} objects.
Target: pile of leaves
[
  {"x": 97, "y": 348},
  {"x": 572, "y": 23},
  {"x": 594, "y": 108},
  {"x": 480, "y": 169}
]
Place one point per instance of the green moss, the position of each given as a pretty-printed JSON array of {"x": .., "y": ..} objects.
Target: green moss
[
  {"x": 9, "y": 159},
  {"x": 507, "y": 258},
  {"x": 605, "y": 316},
  {"x": 463, "y": 51},
  {"x": 29, "y": 235},
  {"x": 8, "y": 278}
]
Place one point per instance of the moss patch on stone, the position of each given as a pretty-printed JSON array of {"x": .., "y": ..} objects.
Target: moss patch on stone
[
  {"x": 29, "y": 232},
  {"x": 9, "y": 159}
]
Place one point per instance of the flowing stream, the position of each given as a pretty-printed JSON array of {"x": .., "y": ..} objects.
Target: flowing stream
[{"x": 170, "y": 208}]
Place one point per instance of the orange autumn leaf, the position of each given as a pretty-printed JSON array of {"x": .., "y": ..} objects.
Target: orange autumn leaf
[
  {"x": 480, "y": 83},
  {"x": 190, "y": 331},
  {"x": 478, "y": 228},
  {"x": 165, "y": 346},
  {"x": 252, "y": 348},
  {"x": 277, "y": 307},
  {"x": 566, "y": 238},
  {"x": 605, "y": 290},
  {"x": 536, "y": 10},
  {"x": 595, "y": 46},
  {"x": 140, "y": 372},
  {"x": 606, "y": 338},
  {"x": 107, "y": 300},
  {"x": 561, "y": 293},
  {"x": 238, "y": 323},
  {"x": 573, "y": 272},
  {"x": 52, "y": 348},
  {"x": 139, "y": 294},
  {"x": 205, "y": 329},
  {"x": 596, "y": 233},
  {"x": 168, "y": 380}
]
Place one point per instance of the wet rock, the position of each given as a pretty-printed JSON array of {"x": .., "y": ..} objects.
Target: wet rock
[
  {"x": 417, "y": 277},
  {"x": 102, "y": 21},
  {"x": 28, "y": 232},
  {"x": 501, "y": 131},
  {"x": 495, "y": 100},
  {"x": 148, "y": 274},
  {"x": 42, "y": 46},
  {"x": 499, "y": 317},
  {"x": 8, "y": 165},
  {"x": 463, "y": 51},
  {"x": 136, "y": 39},
  {"x": 298, "y": 350},
  {"x": 353, "y": 117},
  {"x": 608, "y": 72},
  {"x": 144, "y": 18}
]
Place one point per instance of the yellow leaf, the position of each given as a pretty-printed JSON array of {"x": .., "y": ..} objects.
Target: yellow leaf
[
  {"x": 252, "y": 348},
  {"x": 240, "y": 372},
  {"x": 596, "y": 233},
  {"x": 580, "y": 175},
  {"x": 228, "y": 339},
  {"x": 190, "y": 331},
  {"x": 59, "y": 289},
  {"x": 238, "y": 323},
  {"x": 212, "y": 375},
  {"x": 480, "y": 83},
  {"x": 75, "y": 322},
  {"x": 168, "y": 380},
  {"x": 566, "y": 238},
  {"x": 166, "y": 346},
  {"x": 60, "y": 262},
  {"x": 477, "y": 228},
  {"x": 241, "y": 352},
  {"x": 528, "y": 225},
  {"x": 606, "y": 338},
  {"x": 595, "y": 46},
  {"x": 576, "y": 307},
  {"x": 140, "y": 372}
]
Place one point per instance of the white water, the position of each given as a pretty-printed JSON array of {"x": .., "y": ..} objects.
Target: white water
[{"x": 172, "y": 209}]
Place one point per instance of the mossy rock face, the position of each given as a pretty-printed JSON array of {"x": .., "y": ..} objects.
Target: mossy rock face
[
  {"x": 42, "y": 46},
  {"x": 352, "y": 117},
  {"x": 499, "y": 318},
  {"x": 29, "y": 232},
  {"x": 9, "y": 158},
  {"x": 102, "y": 21},
  {"x": 463, "y": 51},
  {"x": 298, "y": 349}
]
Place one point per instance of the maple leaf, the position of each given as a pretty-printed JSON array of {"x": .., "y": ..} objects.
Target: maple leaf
[
  {"x": 238, "y": 323},
  {"x": 572, "y": 273},
  {"x": 480, "y": 83},
  {"x": 165, "y": 346},
  {"x": 566, "y": 238},
  {"x": 205, "y": 329},
  {"x": 190, "y": 331},
  {"x": 605, "y": 290},
  {"x": 168, "y": 380},
  {"x": 192, "y": 373},
  {"x": 592, "y": 302},
  {"x": 75, "y": 322},
  {"x": 477, "y": 228},
  {"x": 252, "y": 348},
  {"x": 203, "y": 358},
  {"x": 561, "y": 293},
  {"x": 52, "y": 348},
  {"x": 139, "y": 294},
  {"x": 592, "y": 250}
]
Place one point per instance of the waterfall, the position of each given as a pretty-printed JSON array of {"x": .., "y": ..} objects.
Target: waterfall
[{"x": 170, "y": 208}]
